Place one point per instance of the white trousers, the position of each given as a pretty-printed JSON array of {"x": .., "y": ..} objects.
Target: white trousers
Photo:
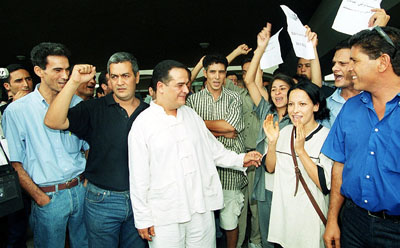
[{"x": 197, "y": 233}]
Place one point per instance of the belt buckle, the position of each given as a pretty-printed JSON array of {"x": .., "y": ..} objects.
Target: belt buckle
[
  {"x": 381, "y": 214},
  {"x": 68, "y": 183}
]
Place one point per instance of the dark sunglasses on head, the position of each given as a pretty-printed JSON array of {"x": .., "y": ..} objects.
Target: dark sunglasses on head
[{"x": 386, "y": 38}]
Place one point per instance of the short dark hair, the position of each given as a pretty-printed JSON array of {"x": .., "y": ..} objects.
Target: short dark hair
[
  {"x": 316, "y": 96},
  {"x": 374, "y": 45},
  {"x": 344, "y": 44},
  {"x": 102, "y": 79},
  {"x": 299, "y": 78},
  {"x": 279, "y": 76},
  {"x": 245, "y": 60},
  {"x": 161, "y": 72},
  {"x": 230, "y": 73},
  {"x": 99, "y": 90},
  {"x": 40, "y": 52},
  {"x": 214, "y": 59},
  {"x": 120, "y": 57},
  {"x": 11, "y": 68}
]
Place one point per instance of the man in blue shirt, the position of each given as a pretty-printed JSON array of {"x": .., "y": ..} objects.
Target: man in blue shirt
[
  {"x": 340, "y": 64},
  {"x": 364, "y": 142},
  {"x": 49, "y": 162},
  {"x": 345, "y": 88}
]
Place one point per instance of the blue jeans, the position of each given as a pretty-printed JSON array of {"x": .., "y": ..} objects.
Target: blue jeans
[
  {"x": 109, "y": 219},
  {"x": 359, "y": 229},
  {"x": 50, "y": 221}
]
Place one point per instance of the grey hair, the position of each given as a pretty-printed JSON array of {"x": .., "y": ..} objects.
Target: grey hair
[{"x": 120, "y": 57}]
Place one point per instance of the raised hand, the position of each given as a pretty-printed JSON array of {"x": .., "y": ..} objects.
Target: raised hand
[
  {"x": 20, "y": 94},
  {"x": 311, "y": 36},
  {"x": 264, "y": 36},
  {"x": 300, "y": 138},
  {"x": 242, "y": 49},
  {"x": 380, "y": 18},
  {"x": 271, "y": 130},
  {"x": 82, "y": 73}
]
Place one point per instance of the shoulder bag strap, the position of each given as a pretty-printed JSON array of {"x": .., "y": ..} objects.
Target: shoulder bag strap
[{"x": 300, "y": 177}]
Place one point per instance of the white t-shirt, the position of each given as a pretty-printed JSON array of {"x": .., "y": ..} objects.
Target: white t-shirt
[{"x": 294, "y": 221}]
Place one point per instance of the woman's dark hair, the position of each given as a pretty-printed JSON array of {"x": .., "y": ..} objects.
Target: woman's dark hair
[
  {"x": 316, "y": 96},
  {"x": 282, "y": 77}
]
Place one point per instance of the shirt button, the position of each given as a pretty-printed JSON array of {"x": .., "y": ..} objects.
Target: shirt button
[
  {"x": 366, "y": 201},
  {"x": 376, "y": 129},
  {"x": 367, "y": 176},
  {"x": 372, "y": 153}
]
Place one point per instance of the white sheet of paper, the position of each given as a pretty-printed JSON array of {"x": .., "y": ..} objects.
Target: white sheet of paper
[
  {"x": 353, "y": 15},
  {"x": 303, "y": 48},
  {"x": 272, "y": 55}
]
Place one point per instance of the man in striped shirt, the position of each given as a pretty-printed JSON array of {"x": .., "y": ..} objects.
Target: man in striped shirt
[{"x": 221, "y": 109}]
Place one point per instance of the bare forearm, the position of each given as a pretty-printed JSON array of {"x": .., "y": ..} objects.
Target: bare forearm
[
  {"x": 336, "y": 198},
  {"x": 26, "y": 183},
  {"x": 196, "y": 70},
  {"x": 270, "y": 159},
  {"x": 250, "y": 79},
  {"x": 232, "y": 56},
  {"x": 220, "y": 126},
  {"x": 56, "y": 116},
  {"x": 310, "y": 167},
  {"x": 316, "y": 75},
  {"x": 259, "y": 83}
]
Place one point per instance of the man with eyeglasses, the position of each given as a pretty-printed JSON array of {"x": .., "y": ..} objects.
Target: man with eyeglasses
[{"x": 364, "y": 142}]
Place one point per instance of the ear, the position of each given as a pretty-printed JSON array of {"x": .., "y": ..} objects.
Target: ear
[
  {"x": 160, "y": 87},
  {"x": 6, "y": 86},
  {"x": 137, "y": 77},
  {"x": 316, "y": 107},
  {"x": 384, "y": 62},
  {"x": 103, "y": 86},
  {"x": 205, "y": 73},
  {"x": 38, "y": 71}
]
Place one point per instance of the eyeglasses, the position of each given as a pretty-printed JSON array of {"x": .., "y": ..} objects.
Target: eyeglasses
[{"x": 386, "y": 38}]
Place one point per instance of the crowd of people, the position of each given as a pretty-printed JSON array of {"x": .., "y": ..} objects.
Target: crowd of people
[{"x": 311, "y": 165}]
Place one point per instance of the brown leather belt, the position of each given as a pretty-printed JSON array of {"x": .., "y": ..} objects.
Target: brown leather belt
[{"x": 67, "y": 185}]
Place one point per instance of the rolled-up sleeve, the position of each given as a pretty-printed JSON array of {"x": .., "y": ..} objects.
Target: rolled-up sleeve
[{"x": 234, "y": 115}]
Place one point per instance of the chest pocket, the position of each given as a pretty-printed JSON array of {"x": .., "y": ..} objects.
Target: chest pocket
[{"x": 71, "y": 142}]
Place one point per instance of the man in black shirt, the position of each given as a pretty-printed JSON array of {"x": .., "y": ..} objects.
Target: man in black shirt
[{"x": 104, "y": 123}]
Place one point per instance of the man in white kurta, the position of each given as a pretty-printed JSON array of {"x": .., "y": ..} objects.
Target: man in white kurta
[{"x": 174, "y": 183}]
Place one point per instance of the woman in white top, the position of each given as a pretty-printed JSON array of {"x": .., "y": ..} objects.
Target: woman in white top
[{"x": 294, "y": 221}]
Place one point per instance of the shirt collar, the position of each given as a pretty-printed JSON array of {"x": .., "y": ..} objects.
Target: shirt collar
[
  {"x": 160, "y": 110},
  {"x": 220, "y": 96},
  {"x": 110, "y": 99},
  {"x": 337, "y": 97},
  {"x": 365, "y": 97},
  {"x": 39, "y": 96}
]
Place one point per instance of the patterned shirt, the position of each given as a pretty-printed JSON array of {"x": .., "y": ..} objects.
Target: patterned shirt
[
  {"x": 227, "y": 107},
  {"x": 250, "y": 118}
]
